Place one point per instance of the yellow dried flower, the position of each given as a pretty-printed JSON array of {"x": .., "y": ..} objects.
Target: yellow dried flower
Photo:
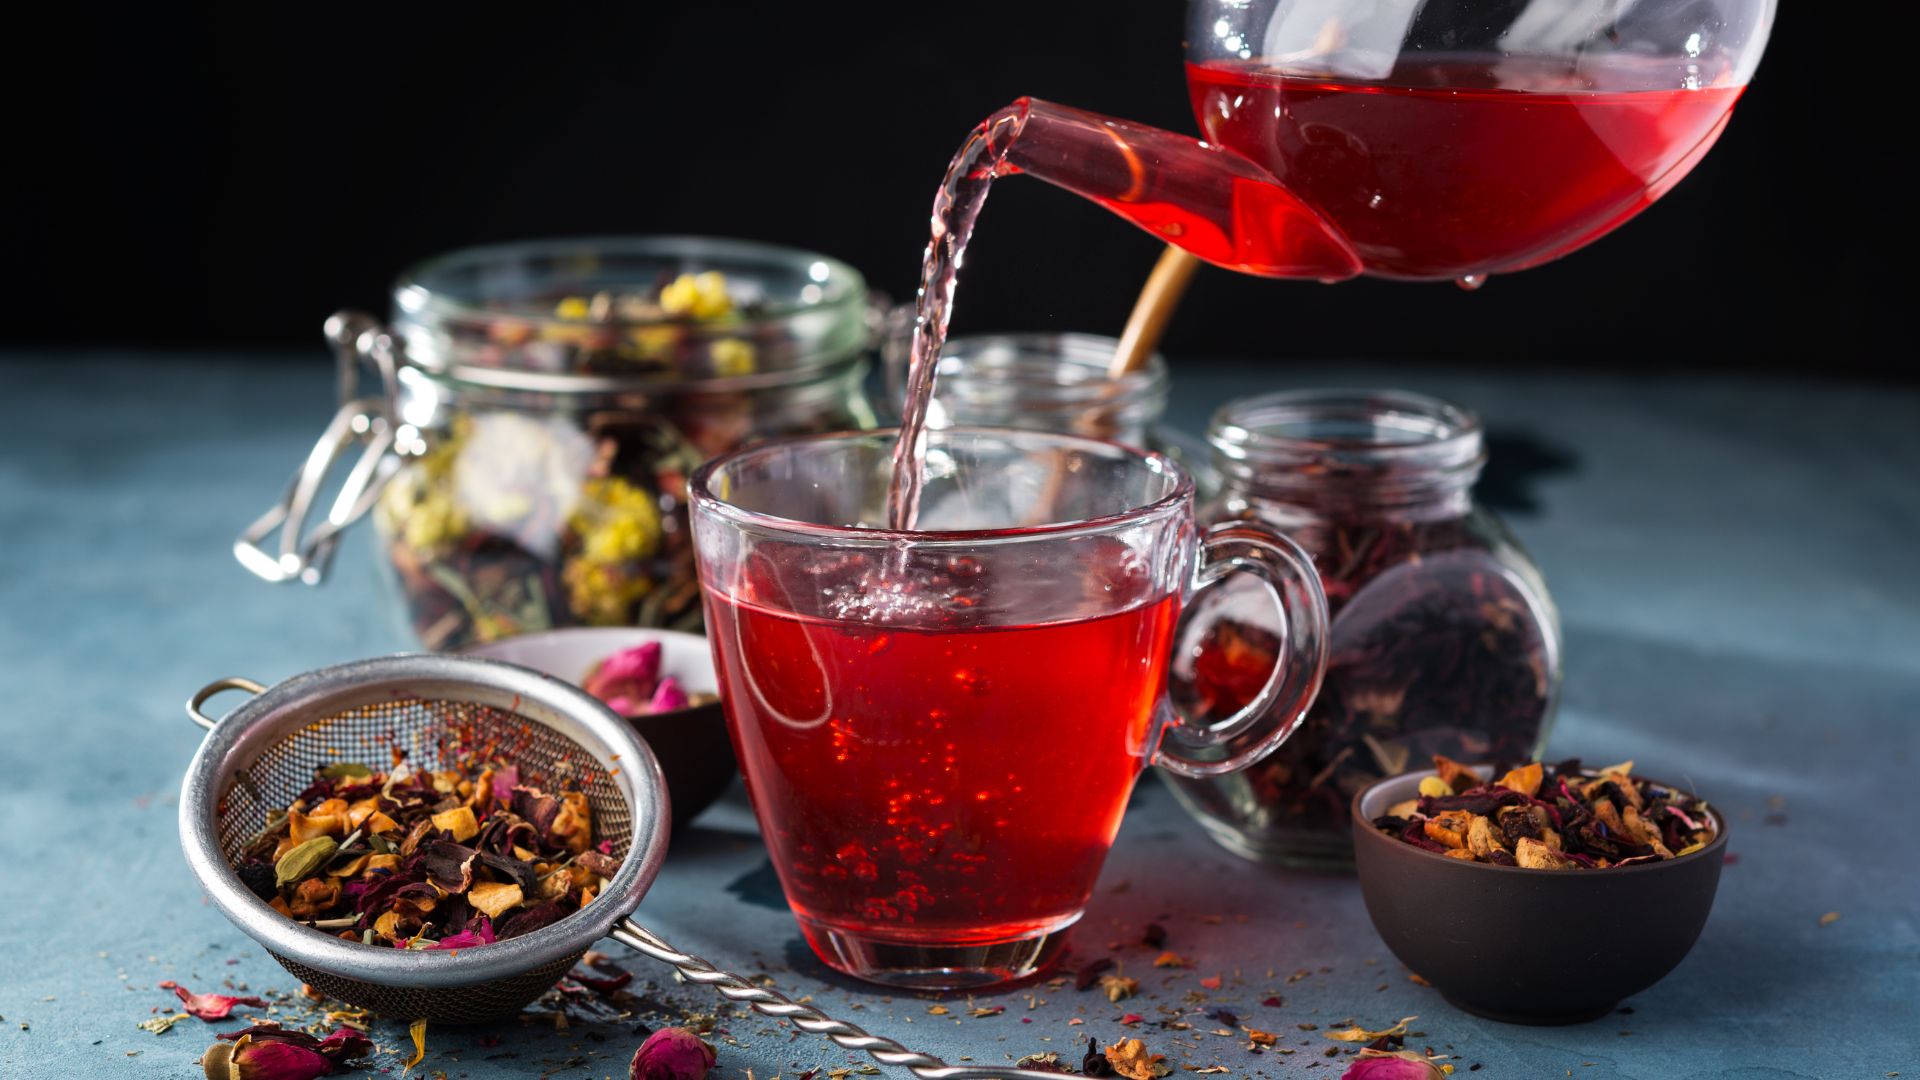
[
  {"x": 732, "y": 357},
  {"x": 620, "y": 538},
  {"x": 654, "y": 342},
  {"x": 433, "y": 521},
  {"x": 628, "y": 514},
  {"x": 703, "y": 296}
]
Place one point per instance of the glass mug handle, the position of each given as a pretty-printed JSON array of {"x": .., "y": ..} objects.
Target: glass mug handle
[{"x": 1227, "y": 550}]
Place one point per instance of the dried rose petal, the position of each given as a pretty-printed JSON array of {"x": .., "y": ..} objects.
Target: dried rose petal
[
  {"x": 671, "y": 1054},
  {"x": 479, "y": 933},
  {"x": 601, "y": 984},
  {"x": 209, "y": 1007},
  {"x": 504, "y": 781},
  {"x": 668, "y": 696},
  {"x": 1403, "y": 1065},
  {"x": 345, "y": 1044}
]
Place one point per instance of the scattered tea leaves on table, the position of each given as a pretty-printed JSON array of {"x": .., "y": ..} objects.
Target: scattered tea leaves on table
[
  {"x": 160, "y": 1025},
  {"x": 1358, "y": 1034},
  {"x": 1131, "y": 1059},
  {"x": 417, "y": 1031},
  {"x": 1119, "y": 987},
  {"x": 1090, "y": 973}
]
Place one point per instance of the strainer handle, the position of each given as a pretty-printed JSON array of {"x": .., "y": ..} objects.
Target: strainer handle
[
  {"x": 218, "y": 686},
  {"x": 807, "y": 1018}
]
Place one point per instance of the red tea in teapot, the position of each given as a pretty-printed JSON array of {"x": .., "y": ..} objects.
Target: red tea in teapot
[{"x": 1447, "y": 169}]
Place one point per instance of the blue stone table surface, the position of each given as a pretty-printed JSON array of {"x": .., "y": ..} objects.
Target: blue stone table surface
[{"x": 1734, "y": 559}]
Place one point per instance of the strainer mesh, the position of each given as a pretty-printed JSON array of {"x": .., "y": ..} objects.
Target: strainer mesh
[
  {"x": 434, "y": 734},
  {"x": 438, "y": 1004}
]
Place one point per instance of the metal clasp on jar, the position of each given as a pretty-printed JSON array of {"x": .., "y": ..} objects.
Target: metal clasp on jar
[{"x": 364, "y": 430}]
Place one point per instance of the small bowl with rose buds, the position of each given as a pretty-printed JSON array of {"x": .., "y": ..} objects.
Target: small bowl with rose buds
[
  {"x": 1544, "y": 894},
  {"x": 662, "y": 681}
]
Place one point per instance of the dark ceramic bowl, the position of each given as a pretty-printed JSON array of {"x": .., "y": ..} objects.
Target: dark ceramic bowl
[
  {"x": 1529, "y": 946},
  {"x": 692, "y": 744}
]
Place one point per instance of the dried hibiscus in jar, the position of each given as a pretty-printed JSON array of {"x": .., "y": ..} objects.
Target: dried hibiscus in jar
[{"x": 1443, "y": 638}]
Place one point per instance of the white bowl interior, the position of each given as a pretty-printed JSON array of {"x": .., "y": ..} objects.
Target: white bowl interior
[{"x": 570, "y": 653}]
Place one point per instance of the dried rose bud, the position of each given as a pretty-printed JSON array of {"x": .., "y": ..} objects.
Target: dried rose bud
[
  {"x": 668, "y": 696},
  {"x": 268, "y": 1052},
  {"x": 671, "y": 1054},
  {"x": 625, "y": 678}
]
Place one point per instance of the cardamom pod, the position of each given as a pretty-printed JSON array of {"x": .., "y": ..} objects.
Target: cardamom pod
[
  {"x": 304, "y": 860},
  {"x": 346, "y": 770}
]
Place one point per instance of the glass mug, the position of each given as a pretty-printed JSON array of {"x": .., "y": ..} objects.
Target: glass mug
[{"x": 940, "y": 729}]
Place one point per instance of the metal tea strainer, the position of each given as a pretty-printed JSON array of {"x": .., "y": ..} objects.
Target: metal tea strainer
[{"x": 264, "y": 753}]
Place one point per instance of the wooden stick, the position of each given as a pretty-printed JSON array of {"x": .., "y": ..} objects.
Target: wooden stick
[{"x": 1151, "y": 313}]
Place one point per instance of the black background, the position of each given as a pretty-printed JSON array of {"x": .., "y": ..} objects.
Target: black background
[{"x": 226, "y": 180}]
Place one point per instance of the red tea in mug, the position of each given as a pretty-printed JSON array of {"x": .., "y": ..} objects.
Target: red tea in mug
[
  {"x": 948, "y": 780},
  {"x": 939, "y": 728}
]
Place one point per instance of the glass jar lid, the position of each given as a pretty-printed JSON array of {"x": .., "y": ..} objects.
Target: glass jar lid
[
  {"x": 603, "y": 313},
  {"x": 1347, "y": 446},
  {"x": 1047, "y": 381}
]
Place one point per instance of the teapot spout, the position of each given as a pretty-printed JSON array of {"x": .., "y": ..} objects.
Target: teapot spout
[{"x": 1207, "y": 200}]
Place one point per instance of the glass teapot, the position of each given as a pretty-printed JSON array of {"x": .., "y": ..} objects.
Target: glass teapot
[{"x": 1411, "y": 139}]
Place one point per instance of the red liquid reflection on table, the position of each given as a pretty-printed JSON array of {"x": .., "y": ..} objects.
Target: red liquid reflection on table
[
  {"x": 953, "y": 784},
  {"x": 1449, "y": 168}
]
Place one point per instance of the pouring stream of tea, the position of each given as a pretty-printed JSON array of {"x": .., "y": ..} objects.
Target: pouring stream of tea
[{"x": 1213, "y": 203}]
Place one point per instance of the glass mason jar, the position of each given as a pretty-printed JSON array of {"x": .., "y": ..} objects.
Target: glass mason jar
[
  {"x": 543, "y": 405},
  {"x": 1040, "y": 382},
  {"x": 1443, "y": 637},
  {"x": 1046, "y": 382}
]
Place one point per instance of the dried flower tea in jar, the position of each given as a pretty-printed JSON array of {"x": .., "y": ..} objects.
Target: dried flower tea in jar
[
  {"x": 542, "y": 406},
  {"x": 1443, "y": 639}
]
